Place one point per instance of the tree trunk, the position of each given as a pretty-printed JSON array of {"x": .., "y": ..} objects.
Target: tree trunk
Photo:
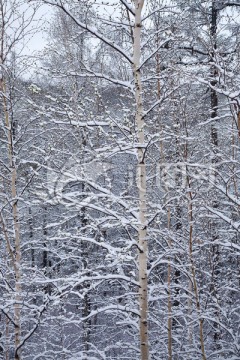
[
  {"x": 141, "y": 183},
  {"x": 16, "y": 228},
  {"x": 214, "y": 140}
]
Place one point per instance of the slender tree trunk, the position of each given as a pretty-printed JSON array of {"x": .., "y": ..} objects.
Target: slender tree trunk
[
  {"x": 17, "y": 307},
  {"x": 86, "y": 299},
  {"x": 10, "y": 253},
  {"x": 214, "y": 140},
  {"x": 141, "y": 183},
  {"x": 46, "y": 261},
  {"x": 7, "y": 339},
  {"x": 193, "y": 272},
  {"x": 169, "y": 276},
  {"x": 169, "y": 295},
  {"x": 30, "y": 223},
  {"x": 16, "y": 228},
  {"x": 193, "y": 281},
  {"x": 178, "y": 225}
]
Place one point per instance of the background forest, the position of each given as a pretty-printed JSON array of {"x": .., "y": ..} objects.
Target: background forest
[{"x": 120, "y": 180}]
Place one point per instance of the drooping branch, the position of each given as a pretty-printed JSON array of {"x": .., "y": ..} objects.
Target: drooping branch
[{"x": 92, "y": 30}]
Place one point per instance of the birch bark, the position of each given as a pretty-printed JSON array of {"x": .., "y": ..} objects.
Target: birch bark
[
  {"x": 141, "y": 183},
  {"x": 16, "y": 227},
  {"x": 16, "y": 258}
]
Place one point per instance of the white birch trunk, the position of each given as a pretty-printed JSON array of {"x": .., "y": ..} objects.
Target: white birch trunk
[
  {"x": 17, "y": 258},
  {"x": 141, "y": 183}
]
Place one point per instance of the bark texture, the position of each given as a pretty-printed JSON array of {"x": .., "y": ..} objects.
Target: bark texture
[{"x": 141, "y": 182}]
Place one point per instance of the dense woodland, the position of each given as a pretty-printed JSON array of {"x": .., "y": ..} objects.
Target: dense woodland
[{"x": 120, "y": 180}]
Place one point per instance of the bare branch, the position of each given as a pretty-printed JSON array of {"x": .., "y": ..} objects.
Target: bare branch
[
  {"x": 91, "y": 30},
  {"x": 128, "y": 7}
]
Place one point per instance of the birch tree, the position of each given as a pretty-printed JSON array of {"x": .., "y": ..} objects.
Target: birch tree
[
  {"x": 127, "y": 185},
  {"x": 20, "y": 316},
  {"x": 133, "y": 58}
]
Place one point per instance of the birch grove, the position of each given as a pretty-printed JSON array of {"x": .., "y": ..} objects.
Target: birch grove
[{"x": 119, "y": 196}]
